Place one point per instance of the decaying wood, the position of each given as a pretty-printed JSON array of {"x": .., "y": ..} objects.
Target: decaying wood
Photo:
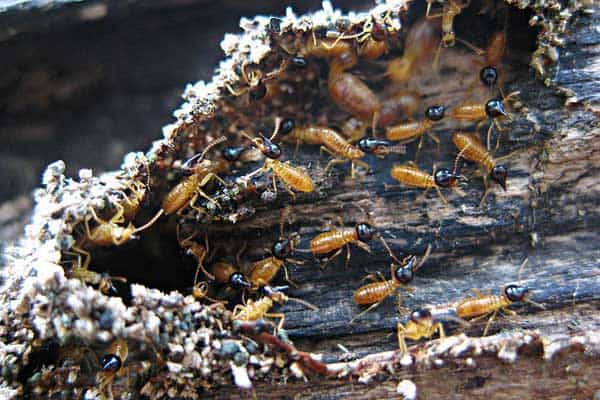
[{"x": 549, "y": 215}]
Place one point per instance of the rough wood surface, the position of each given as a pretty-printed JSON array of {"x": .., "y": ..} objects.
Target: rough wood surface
[{"x": 549, "y": 215}]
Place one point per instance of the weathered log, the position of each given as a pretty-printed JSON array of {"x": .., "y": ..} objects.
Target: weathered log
[{"x": 548, "y": 215}]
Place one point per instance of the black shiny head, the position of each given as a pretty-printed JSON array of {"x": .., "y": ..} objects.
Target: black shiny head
[
  {"x": 232, "y": 153},
  {"x": 287, "y": 126},
  {"x": 365, "y": 232},
  {"x": 499, "y": 174},
  {"x": 488, "y": 75},
  {"x": 275, "y": 25},
  {"x": 444, "y": 178},
  {"x": 258, "y": 92},
  {"x": 299, "y": 62},
  {"x": 370, "y": 145},
  {"x": 435, "y": 113},
  {"x": 419, "y": 315},
  {"x": 404, "y": 273},
  {"x": 282, "y": 249},
  {"x": 237, "y": 280},
  {"x": 270, "y": 149},
  {"x": 515, "y": 292},
  {"x": 495, "y": 108},
  {"x": 111, "y": 363}
]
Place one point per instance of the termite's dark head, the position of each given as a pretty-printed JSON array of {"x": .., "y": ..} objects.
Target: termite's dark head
[
  {"x": 111, "y": 363},
  {"x": 446, "y": 178},
  {"x": 488, "y": 75},
  {"x": 515, "y": 292},
  {"x": 370, "y": 145},
  {"x": 499, "y": 174},
  {"x": 419, "y": 316},
  {"x": 258, "y": 92},
  {"x": 274, "y": 26},
  {"x": 365, "y": 232},
  {"x": 494, "y": 108},
  {"x": 287, "y": 126},
  {"x": 282, "y": 248},
  {"x": 435, "y": 113},
  {"x": 270, "y": 149},
  {"x": 238, "y": 281},
  {"x": 232, "y": 154},
  {"x": 404, "y": 273}
]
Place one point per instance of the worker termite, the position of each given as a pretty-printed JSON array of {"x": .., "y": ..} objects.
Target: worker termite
[
  {"x": 103, "y": 281},
  {"x": 450, "y": 10},
  {"x": 380, "y": 148},
  {"x": 349, "y": 92},
  {"x": 331, "y": 142},
  {"x": 254, "y": 310},
  {"x": 291, "y": 176},
  {"x": 187, "y": 191},
  {"x": 493, "y": 109},
  {"x": 373, "y": 294},
  {"x": 339, "y": 238},
  {"x": 197, "y": 251},
  {"x": 421, "y": 41},
  {"x": 410, "y": 175},
  {"x": 263, "y": 271},
  {"x": 471, "y": 148},
  {"x": 400, "y": 105},
  {"x": 113, "y": 365},
  {"x": 420, "y": 325},
  {"x": 408, "y": 131}
]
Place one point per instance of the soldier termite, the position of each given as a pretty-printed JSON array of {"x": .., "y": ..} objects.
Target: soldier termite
[
  {"x": 420, "y": 325},
  {"x": 410, "y": 175},
  {"x": 408, "y": 131},
  {"x": 380, "y": 148},
  {"x": 254, "y": 310},
  {"x": 421, "y": 41},
  {"x": 482, "y": 305},
  {"x": 257, "y": 88},
  {"x": 228, "y": 274},
  {"x": 112, "y": 365},
  {"x": 291, "y": 176},
  {"x": 493, "y": 57},
  {"x": 373, "y": 294},
  {"x": 471, "y": 149},
  {"x": 493, "y": 109}
]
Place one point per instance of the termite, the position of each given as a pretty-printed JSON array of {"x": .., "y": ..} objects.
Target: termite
[
  {"x": 471, "y": 148},
  {"x": 450, "y": 10},
  {"x": 380, "y": 148},
  {"x": 103, "y": 281},
  {"x": 408, "y": 131},
  {"x": 263, "y": 271},
  {"x": 254, "y": 310},
  {"x": 197, "y": 251},
  {"x": 339, "y": 238},
  {"x": 410, "y": 175},
  {"x": 187, "y": 191},
  {"x": 257, "y": 88},
  {"x": 421, "y": 41},
  {"x": 349, "y": 92},
  {"x": 420, "y": 325},
  {"x": 493, "y": 57},
  {"x": 230, "y": 275},
  {"x": 112, "y": 365},
  {"x": 372, "y": 43},
  {"x": 373, "y": 294},
  {"x": 400, "y": 105},
  {"x": 483, "y": 305},
  {"x": 291, "y": 176},
  {"x": 493, "y": 109},
  {"x": 333, "y": 143}
]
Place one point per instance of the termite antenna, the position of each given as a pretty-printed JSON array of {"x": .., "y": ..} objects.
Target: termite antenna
[
  {"x": 200, "y": 156},
  {"x": 151, "y": 222}
]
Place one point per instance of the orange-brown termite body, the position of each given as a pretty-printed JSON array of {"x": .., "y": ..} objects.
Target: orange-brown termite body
[
  {"x": 411, "y": 175},
  {"x": 420, "y": 325},
  {"x": 470, "y": 148},
  {"x": 421, "y": 41},
  {"x": 263, "y": 271},
  {"x": 400, "y": 105}
]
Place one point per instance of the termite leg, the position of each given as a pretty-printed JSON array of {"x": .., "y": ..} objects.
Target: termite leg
[
  {"x": 287, "y": 277},
  {"x": 489, "y": 322},
  {"x": 370, "y": 308},
  {"x": 337, "y": 253},
  {"x": 401, "y": 342},
  {"x": 86, "y": 254},
  {"x": 277, "y": 315}
]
